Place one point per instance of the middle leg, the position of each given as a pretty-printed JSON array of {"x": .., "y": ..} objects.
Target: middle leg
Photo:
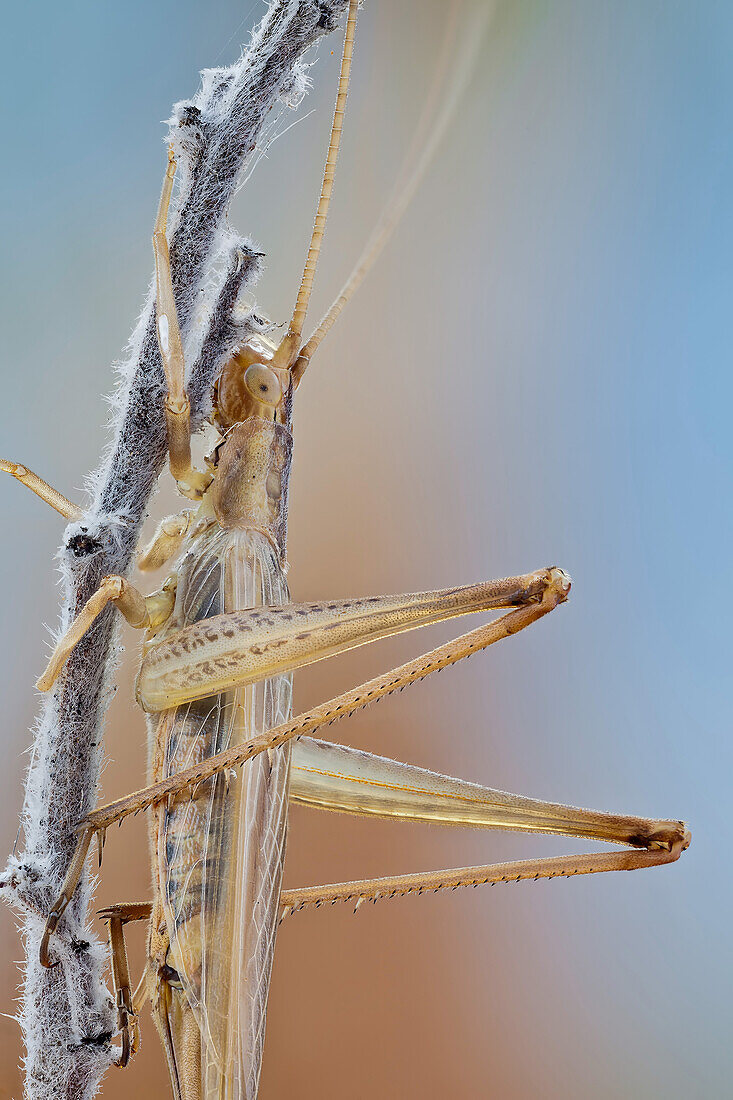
[{"x": 142, "y": 612}]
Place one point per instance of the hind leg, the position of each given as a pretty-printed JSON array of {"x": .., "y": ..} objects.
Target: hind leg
[{"x": 337, "y": 778}]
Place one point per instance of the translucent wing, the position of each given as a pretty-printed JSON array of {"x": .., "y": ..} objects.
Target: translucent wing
[{"x": 220, "y": 854}]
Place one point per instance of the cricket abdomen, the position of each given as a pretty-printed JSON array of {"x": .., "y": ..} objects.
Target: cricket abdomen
[{"x": 218, "y": 856}]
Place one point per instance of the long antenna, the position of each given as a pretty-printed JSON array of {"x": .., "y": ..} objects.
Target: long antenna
[
  {"x": 429, "y": 133},
  {"x": 288, "y": 349}
]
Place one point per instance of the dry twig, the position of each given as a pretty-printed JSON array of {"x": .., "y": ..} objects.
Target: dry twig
[{"x": 66, "y": 1014}]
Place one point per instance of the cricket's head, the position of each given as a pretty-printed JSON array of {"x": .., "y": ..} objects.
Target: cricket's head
[{"x": 253, "y": 384}]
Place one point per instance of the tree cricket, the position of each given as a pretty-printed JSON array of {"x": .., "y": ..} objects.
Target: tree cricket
[{"x": 222, "y": 641}]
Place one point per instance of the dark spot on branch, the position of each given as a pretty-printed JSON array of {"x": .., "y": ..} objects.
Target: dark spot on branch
[
  {"x": 100, "y": 1040},
  {"x": 190, "y": 115},
  {"x": 83, "y": 545}
]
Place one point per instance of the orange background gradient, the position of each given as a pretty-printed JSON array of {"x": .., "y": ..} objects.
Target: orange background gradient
[{"x": 534, "y": 374}]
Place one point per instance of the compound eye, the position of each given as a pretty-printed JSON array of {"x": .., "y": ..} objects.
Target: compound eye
[{"x": 263, "y": 384}]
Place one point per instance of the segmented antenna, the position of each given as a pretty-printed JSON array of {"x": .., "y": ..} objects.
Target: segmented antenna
[
  {"x": 289, "y": 347},
  {"x": 452, "y": 74}
]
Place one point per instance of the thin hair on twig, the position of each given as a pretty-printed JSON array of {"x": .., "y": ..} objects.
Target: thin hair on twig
[{"x": 66, "y": 1015}]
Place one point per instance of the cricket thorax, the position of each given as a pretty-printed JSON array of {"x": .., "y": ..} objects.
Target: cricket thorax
[{"x": 250, "y": 488}]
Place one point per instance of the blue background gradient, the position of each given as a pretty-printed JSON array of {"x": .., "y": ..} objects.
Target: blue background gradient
[{"x": 537, "y": 372}]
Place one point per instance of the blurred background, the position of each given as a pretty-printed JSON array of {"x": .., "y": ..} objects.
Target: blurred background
[{"x": 534, "y": 374}]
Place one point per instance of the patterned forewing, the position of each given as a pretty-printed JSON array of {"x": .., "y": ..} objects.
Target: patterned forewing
[{"x": 220, "y": 854}]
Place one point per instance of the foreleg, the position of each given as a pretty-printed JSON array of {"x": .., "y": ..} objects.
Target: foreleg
[{"x": 191, "y": 483}]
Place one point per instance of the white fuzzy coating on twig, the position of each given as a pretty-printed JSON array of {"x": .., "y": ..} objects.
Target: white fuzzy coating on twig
[{"x": 66, "y": 1013}]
